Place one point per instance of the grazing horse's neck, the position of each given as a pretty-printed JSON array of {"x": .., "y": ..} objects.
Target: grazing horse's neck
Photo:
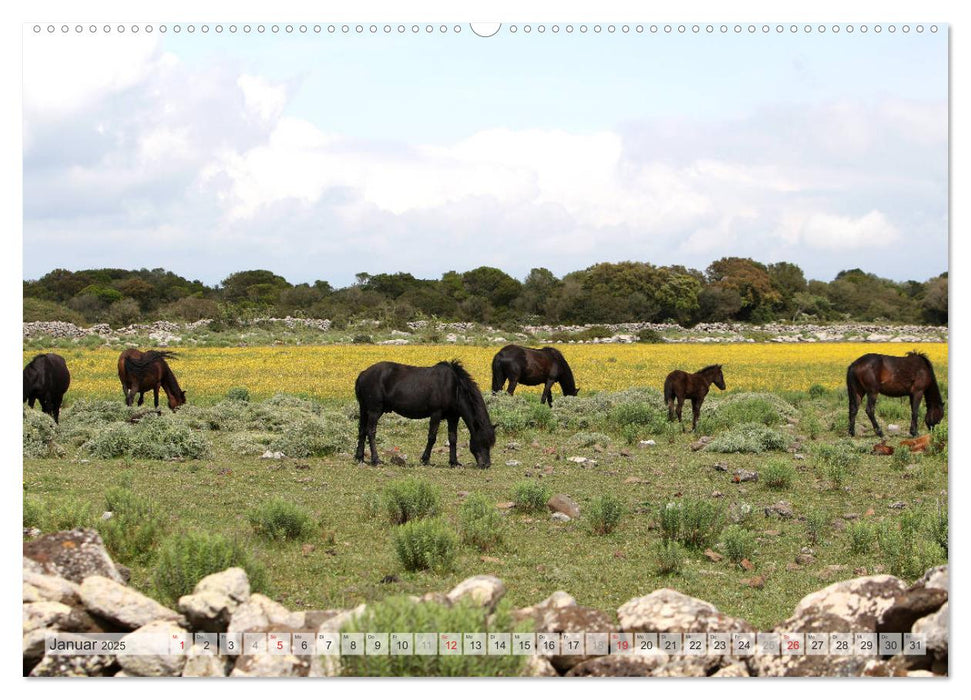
[{"x": 169, "y": 383}]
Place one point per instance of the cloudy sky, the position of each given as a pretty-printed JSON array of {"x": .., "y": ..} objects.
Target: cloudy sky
[{"x": 319, "y": 156}]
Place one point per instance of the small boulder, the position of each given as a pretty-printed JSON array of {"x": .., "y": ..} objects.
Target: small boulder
[
  {"x": 153, "y": 664},
  {"x": 561, "y": 503},
  {"x": 72, "y": 554},
  {"x": 484, "y": 590},
  {"x": 215, "y": 598},
  {"x": 121, "y": 605}
]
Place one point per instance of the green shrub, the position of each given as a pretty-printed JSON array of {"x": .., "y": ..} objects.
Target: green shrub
[
  {"x": 817, "y": 522},
  {"x": 238, "y": 393},
  {"x": 817, "y": 391},
  {"x": 425, "y": 544},
  {"x": 838, "y": 461},
  {"x": 694, "y": 523},
  {"x": 33, "y": 513},
  {"x": 39, "y": 433},
  {"x": 604, "y": 514},
  {"x": 938, "y": 528},
  {"x": 649, "y": 335},
  {"x": 749, "y": 407},
  {"x": 905, "y": 554},
  {"x": 135, "y": 528},
  {"x": 777, "y": 474},
  {"x": 362, "y": 339},
  {"x": 900, "y": 458},
  {"x": 153, "y": 437},
  {"x": 277, "y": 519},
  {"x": 742, "y": 514},
  {"x": 186, "y": 557},
  {"x": 669, "y": 557},
  {"x": 862, "y": 537},
  {"x": 748, "y": 437},
  {"x": 939, "y": 439},
  {"x": 530, "y": 496},
  {"x": 410, "y": 499},
  {"x": 738, "y": 543},
  {"x": 639, "y": 414},
  {"x": 400, "y": 613},
  {"x": 480, "y": 523},
  {"x": 312, "y": 437},
  {"x": 515, "y": 414}
]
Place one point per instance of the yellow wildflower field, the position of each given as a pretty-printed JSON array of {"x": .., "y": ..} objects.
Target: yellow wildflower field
[{"x": 329, "y": 371}]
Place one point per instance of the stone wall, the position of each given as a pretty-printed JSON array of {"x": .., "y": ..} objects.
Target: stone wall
[{"x": 71, "y": 584}]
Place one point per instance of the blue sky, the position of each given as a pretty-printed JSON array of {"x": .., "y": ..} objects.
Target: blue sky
[{"x": 320, "y": 156}]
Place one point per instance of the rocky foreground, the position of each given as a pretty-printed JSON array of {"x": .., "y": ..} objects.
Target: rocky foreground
[{"x": 70, "y": 584}]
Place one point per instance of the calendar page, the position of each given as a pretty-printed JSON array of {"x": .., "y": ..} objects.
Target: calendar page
[{"x": 439, "y": 348}]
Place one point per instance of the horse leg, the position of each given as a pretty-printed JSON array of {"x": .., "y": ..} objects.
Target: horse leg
[
  {"x": 361, "y": 435},
  {"x": 915, "y": 400},
  {"x": 854, "y": 407},
  {"x": 436, "y": 418},
  {"x": 31, "y": 400},
  {"x": 871, "y": 402},
  {"x": 453, "y": 438},
  {"x": 57, "y": 410},
  {"x": 372, "y": 431},
  {"x": 129, "y": 395},
  {"x": 141, "y": 398},
  {"x": 695, "y": 412},
  {"x": 680, "y": 406},
  {"x": 155, "y": 392},
  {"x": 513, "y": 381},
  {"x": 547, "y": 393}
]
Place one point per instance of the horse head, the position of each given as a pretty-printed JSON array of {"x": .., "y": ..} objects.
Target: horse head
[
  {"x": 719, "y": 378},
  {"x": 934, "y": 416},
  {"x": 480, "y": 445},
  {"x": 176, "y": 399}
]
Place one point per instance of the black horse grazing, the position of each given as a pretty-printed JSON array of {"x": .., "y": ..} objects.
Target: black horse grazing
[
  {"x": 531, "y": 367},
  {"x": 445, "y": 390},
  {"x": 681, "y": 385},
  {"x": 911, "y": 375},
  {"x": 46, "y": 379},
  {"x": 143, "y": 371}
]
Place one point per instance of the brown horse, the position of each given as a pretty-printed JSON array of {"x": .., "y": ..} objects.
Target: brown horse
[
  {"x": 911, "y": 375},
  {"x": 142, "y": 371},
  {"x": 681, "y": 385},
  {"x": 531, "y": 367}
]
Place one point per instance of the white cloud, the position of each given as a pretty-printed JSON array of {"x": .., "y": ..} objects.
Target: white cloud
[
  {"x": 831, "y": 232},
  {"x": 262, "y": 98}
]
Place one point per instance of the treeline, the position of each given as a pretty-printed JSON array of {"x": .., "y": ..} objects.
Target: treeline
[{"x": 730, "y": 289}]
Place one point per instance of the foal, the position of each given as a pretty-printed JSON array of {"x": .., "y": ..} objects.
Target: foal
[{"x": 681, "y": 385}]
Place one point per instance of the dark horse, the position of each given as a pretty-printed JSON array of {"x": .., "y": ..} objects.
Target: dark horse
[
  {"x": 681, "y": 385},
  {"x": 142, "y": 371},
  {"x": 531, "y": 367},
  {"x": 443, "y": 391},
  {"x": 46, "y": 379},
  {"x": 911, "y": 375}
]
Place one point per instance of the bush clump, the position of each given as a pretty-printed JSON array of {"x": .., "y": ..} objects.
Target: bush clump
[
  {"x": 425, "y": 544},
  {"x": 186, "y": 557},
  {"x": 515, "y": 414},
  {"x": 862, "y": 537},
  {"x": 153, "y": 437},
  {"x": 410, "y": 499},
  {"x": 312, "y": 437},
  {"x": 39, "y": 432},
  {"x": 738, "y": 543},
  {"x": 480, "y": 523},
  {"x": 530, "y": 496},
  {"x": 777, "y": 474},
  {"x": 604, "y": 514},
  {"x": 277, "y": 519},
  {"x": 400, "y": 613},
  {"x": 135, "y": 528},
  {"x": 669, "y": 556},
  {"x": 238, "y": 393},
  {"x": 694, "y": 523},
  {"x": 749, "y": 407},
  {"x": 748, "y": 437}
]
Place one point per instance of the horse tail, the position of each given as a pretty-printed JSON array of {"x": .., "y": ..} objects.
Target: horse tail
[
  {"x": 854, "y": 389},
  {"x": 498, "y": 376},
  {"x": 668, "y": 389}
]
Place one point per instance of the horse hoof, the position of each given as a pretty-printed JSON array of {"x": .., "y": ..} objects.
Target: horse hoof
[
  {"x": 424, "y": 462},
  {"x": 454, "y": 464}
]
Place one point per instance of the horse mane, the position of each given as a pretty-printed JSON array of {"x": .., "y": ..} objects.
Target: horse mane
[
  {"x": 139, "y": 366},
  {"x": 169, "y": 382},
  {"x": 709, "y": 368},
  {"x": 467, "y": 391},
  {"x": 567, "y": 382}
]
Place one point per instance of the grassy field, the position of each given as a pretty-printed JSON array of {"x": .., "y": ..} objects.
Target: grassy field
[{"x": 210, "y": 479}]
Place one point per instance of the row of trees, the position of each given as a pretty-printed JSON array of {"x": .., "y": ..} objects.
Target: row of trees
[{"x": 729, "y": 289}]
